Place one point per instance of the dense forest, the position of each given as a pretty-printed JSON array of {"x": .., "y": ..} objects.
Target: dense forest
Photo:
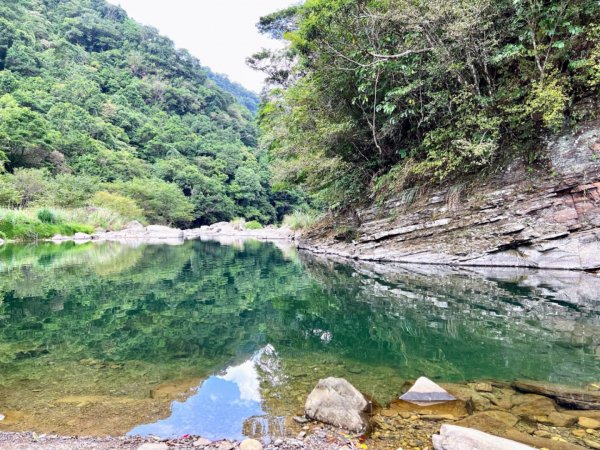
[
  {"x": 101, "y": 113},
  {"x": 373, "y": 97}
]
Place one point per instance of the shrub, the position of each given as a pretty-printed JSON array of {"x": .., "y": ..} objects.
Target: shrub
[
  {"x": 253, "y": 225},
  {"x": 9, "y": 196},
  {"x": 33, "y": 185},
  {"x": 162, "y": 202},
  {"x": 46, "y": 215},
  {"x": 124, "y": 206},
  {"x": 74, "y": 191}
]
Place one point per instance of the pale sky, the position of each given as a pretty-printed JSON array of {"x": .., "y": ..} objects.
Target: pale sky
[{"x": 221, "y": 33}]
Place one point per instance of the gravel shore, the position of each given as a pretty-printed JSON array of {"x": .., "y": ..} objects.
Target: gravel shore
[{"x": 323, "y": 438}]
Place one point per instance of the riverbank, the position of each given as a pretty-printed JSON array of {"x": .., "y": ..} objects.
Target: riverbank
[
  {"x": 538, "y": 415},
  {"x": 546, "y": 219},
  {"x": 33, "y": 441},
  {"x": 323, "y": 438}
]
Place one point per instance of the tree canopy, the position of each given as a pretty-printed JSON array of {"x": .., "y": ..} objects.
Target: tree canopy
[{"x": 373, "y": 96}]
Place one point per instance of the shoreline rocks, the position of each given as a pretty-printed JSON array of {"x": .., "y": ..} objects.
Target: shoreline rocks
[{"x": 160, "y": 234}]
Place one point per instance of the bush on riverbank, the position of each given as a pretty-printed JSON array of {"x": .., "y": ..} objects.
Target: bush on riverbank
[
  {"x": 253, "y": 225},
  {"x": 31, "y": 225}
]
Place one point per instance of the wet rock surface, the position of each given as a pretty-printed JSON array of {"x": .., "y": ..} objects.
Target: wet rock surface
[{"x": 548, "y": 220}]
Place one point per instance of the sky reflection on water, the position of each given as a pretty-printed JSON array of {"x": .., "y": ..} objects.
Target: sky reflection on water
[{"x": 220, "y": 407}]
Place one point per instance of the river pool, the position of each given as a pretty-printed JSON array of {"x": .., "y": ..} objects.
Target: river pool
[{"x": 226, "y": 340}]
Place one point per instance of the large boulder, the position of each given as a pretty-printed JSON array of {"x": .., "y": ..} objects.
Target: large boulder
[
  {"x": 336, "y": 402},
  {"x": 452, "y": 437}
]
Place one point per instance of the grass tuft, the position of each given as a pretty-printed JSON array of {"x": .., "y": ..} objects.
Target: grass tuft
[{"x": 299, "y": 220}]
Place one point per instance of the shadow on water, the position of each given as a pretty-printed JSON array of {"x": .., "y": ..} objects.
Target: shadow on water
[{"x": 176, "y": 337}]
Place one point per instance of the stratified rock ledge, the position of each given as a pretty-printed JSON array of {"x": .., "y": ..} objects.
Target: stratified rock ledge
[{"x": 544, "y": 220}]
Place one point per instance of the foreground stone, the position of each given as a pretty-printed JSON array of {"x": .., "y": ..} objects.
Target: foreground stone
[
  {"x": 452, "y": 437},
  {"x": 426, "y": 392},
  {"x": 336, "y": 402},
  {"x": 251, "y": 444}
]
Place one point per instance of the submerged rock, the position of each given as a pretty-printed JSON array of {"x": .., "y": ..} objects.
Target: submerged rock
[
  {"x": 586, "y": 422},
  {"x": 452, "y": 437},
  {"x": 426, "y": 392},
  {"x": 336, "y": 402},
  {"x": 530, "y": 406},
  {"x": 564, "y": 395},
  {"x": 483, "y": 387}
]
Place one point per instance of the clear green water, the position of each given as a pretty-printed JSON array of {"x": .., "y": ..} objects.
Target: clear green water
[{"x": 102, "y": 338}]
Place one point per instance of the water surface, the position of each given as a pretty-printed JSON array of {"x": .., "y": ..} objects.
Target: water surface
[{"x": 227, "y": 340}]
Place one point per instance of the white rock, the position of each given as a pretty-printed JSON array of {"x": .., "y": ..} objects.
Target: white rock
[
  {"x": 154, "y": 446},
  {"x": 81, "y": 237},
  {"x": 201, "y": 442},
  {"x": 336, "y": 402},
  {"x": 426, "y": 392},
  {"x": 453, "y": 437},
  {"x": 162, "y": 231},
  {"x": 226, "y": 445},
  {"x": 251, "y": 444}
]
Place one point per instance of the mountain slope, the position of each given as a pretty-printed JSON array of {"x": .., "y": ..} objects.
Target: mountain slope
[
  {"x": 88, "y": 93},
  {"x": 246, "y": 97}
]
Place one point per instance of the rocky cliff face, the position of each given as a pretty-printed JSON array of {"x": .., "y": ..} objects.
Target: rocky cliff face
[{"x": 518, "y": 219}]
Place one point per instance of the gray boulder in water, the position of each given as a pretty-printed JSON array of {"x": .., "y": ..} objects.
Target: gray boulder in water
[
  {"x": 336, "y": 402},
  {"x": 426, "y": 392},
  {"x": 452, "y": 437}
]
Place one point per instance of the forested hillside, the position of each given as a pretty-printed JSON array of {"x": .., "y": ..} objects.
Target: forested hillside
[
  {"x": 246, "y": 97},
  {"x": 376, "y": 97},
  {"x": 100, "y": 112}
]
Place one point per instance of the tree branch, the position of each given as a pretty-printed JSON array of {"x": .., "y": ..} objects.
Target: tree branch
[{"x": 401, "y": 55}]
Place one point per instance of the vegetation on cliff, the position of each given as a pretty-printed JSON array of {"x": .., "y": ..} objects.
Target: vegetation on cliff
[
  {"x": 98, "y": 111},
  {"x": 378, "y": 96}
]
